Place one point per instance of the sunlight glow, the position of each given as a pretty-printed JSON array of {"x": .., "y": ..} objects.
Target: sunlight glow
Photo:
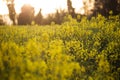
[
  {"x": 3, "y": 8},
  {"x": 47, "y": 6}
]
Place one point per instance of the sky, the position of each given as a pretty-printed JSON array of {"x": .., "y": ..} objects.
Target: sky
[{"x": 47, "y": 6}]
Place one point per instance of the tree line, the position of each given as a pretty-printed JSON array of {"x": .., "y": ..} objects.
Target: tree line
[{"x": 26, "y": 17}]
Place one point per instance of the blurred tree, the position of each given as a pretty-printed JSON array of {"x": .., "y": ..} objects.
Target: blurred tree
[
  {"x": 59, "y": 16},
  {"x": 71, "y": 10},
  {"x": 56, "y": 18},
  {"x": 1, "y": 20},
  {"x": 39, "y": 18},
  {"x": 12, "y": 12},
  {"x": 27, "y": 15},
  {"x": 49, "y": 19},
  {"x": 88, "y": 7},
  {"x": 105, "y": 6}
]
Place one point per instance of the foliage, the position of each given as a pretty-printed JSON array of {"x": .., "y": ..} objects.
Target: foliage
[
  {"x": 27, "y": 15},
  {"x": 85, "y": 50},
  {"x": 105, "y": 6},
  {"x": 57, "y": 18},
  {"x": 39, "y": 18},
  {"x": 1, "y": 20}
]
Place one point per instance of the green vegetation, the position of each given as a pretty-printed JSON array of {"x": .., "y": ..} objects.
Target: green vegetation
[{"x": 85, "y": 50}]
